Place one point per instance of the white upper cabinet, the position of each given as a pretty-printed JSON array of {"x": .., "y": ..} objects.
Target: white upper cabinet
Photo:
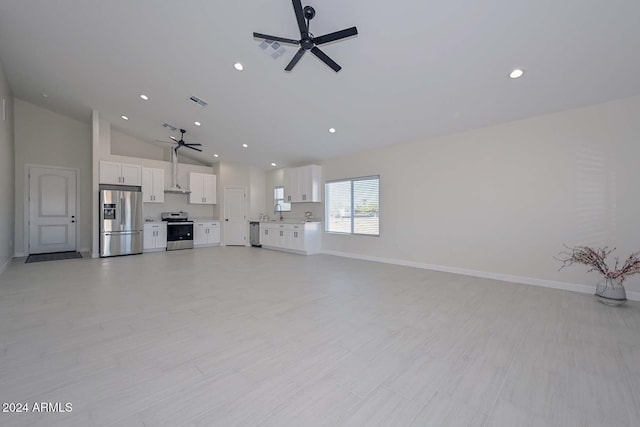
[
  {"x": 290, "y": 183},
  {"x": 302, "y": 185},
  {"x": 309, "y": 183},
  {"x": 203, "y": 188},
  {"x": 152, "y": 185},
  {"x": 120, "y": 173}
]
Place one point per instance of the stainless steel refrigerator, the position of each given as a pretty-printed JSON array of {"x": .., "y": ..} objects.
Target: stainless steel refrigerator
[{"x": 121, "y": 224}]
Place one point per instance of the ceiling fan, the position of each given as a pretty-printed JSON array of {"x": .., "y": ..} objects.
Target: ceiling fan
[
  {"x": 181, "y": 142},
  {"x": 307, "y": 40}
]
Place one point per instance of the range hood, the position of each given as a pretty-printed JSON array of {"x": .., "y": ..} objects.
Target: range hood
[{"x": 175, "y": 188}]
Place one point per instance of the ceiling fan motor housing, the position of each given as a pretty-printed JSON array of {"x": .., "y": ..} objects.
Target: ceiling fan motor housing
[{"x": 309, "y": 12}]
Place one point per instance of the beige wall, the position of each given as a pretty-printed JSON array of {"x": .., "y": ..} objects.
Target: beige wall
[
  {"x": 504, "y": 199},
  {"x": 7, "y": 186},
  {"x": 43, "y": 137}
]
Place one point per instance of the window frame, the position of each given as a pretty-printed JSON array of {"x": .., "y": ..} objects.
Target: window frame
[
  {"x": 352, "y": 207},
  {"x": 282, "y": 202}
]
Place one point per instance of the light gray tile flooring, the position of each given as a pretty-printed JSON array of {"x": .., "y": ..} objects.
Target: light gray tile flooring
[{"x": 245, "y": 336}]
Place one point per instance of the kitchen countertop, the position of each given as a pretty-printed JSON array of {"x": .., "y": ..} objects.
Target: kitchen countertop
[
  {"x": 204, "y": 220},
  {"x": 288, "y": 221}
]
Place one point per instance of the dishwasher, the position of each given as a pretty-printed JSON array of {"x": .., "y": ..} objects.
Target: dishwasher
[{"x": 254, "y": 234}]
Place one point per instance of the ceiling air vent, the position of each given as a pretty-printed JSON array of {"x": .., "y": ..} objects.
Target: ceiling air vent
[
  {"x": 199, "y": 101},
  {"x": 170, "y": 127}
]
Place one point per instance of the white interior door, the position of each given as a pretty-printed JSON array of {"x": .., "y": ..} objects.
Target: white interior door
[
  {"x": 52, "y": 210},
  {"x": 235, "y": 217}
]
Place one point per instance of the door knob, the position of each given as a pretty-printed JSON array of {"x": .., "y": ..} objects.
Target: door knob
[
  {"x": 227, "y": 219},
  {"x": 73, "y": 221}
]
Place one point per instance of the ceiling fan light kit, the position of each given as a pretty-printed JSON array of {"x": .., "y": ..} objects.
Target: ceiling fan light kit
[{"x": 308, "y": 42}]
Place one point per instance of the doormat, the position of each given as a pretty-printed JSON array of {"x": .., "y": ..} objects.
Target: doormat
[{"x": 52, "y": 257}]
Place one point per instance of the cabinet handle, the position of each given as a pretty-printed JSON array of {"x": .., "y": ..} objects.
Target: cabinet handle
[
  {"x": 123, "y": 179},
  {"x": 281, "y": 233}
]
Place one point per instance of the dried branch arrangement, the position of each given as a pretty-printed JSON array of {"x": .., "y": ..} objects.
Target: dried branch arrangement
[{"x": 596, "y": 259}]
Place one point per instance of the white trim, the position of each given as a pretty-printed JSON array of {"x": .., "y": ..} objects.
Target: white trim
[
  {"x": 4, "y": 266},
  {"x": 585, "y": 289},
  {"x": 27, "y": 212}
]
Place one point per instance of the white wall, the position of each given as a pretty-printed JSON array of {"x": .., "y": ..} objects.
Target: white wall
[
  {"x": 43, "y": 137},
  {"x": 504, "y": 199},
  {"x": 256, "y": 192},
  {"x": 125, "y": 145},
  {"x": 7, "y": 185}
]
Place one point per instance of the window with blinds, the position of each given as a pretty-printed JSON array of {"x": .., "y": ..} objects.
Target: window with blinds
[{"x": 353, "y": 206}]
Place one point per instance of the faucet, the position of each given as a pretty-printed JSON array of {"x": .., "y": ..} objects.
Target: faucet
[{"x": 275, "y": 209}]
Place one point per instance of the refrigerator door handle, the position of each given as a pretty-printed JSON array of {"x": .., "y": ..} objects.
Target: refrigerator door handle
[{"x": 121, "y": 211}]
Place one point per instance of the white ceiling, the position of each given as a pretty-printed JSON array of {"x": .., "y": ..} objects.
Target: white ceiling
[{"x": 417, "y": 68}]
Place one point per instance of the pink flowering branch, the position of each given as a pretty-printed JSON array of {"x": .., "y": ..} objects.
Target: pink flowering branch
[{"x": 596, "y": 259}]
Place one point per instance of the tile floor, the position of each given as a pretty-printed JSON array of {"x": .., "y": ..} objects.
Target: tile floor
[{"x": 252, "y": 337}]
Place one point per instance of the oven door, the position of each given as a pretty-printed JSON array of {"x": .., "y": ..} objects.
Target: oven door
[{"x": 179, "y": 235}]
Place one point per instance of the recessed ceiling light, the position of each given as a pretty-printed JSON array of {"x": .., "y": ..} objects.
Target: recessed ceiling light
[
  {"x": 197, "y": 123},
  {"x": 124, "y": 117},
  {"x": 332, "y": 130},
  {"x": 44, "y": 95},
  {"x": 273, "y": 164},
  {"x": 145, "y": 97},
  {"x": 215, "y": 155},
  {"x": 238, "y": 66},
  {"x": 516, "y": 74},
  {"x": 245, "y": 145}
]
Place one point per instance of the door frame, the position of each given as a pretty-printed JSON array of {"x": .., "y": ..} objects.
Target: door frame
[
  {"x": 27, "y": 188},
  {"x": 223, "y": 238}
]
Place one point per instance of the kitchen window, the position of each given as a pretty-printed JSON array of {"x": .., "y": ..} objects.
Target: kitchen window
[
  {"x": 353, "y": 206},
  {"x": 280, "y": 205}
]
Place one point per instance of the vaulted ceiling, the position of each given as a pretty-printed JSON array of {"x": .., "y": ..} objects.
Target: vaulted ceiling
[{"x": 416, "y": 69}]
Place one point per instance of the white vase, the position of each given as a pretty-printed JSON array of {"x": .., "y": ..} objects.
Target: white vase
[{"x": 610, "y": 291}]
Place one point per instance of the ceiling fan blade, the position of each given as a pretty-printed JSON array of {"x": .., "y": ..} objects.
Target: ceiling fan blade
[
  {"x": 302, "y": 24},
  {"x": 189, "y": 145},
  {"x": 275, "y": 38},
  {"x": 174, "y": 138},
  {"x": 335, "y": 36},
  {"x": 324, "y": 58},
  {"x": 193, "y": 148},
  {"x": 165, "y": 142},
  {"x": 295, "y": 60}
]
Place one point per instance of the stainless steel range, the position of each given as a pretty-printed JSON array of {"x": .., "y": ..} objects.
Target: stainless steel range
[{"x": 179, "y": 230}]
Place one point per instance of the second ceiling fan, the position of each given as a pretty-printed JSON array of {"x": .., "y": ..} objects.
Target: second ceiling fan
[{"x": 307, "y": 40}]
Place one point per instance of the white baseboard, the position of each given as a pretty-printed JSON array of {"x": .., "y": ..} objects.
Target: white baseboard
[
  {"x": 575, "y": 287},
  {"x": 4, "y": 266}
]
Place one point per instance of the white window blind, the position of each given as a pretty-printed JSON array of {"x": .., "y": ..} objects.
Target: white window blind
[{"x": 353, "y": 206}]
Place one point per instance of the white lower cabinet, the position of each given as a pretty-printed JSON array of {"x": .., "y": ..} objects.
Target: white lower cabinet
[
  {"x": 301, "y": 238},
  {"x": 155, "y": 237},
  {"x": 206, "y": 233}
]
